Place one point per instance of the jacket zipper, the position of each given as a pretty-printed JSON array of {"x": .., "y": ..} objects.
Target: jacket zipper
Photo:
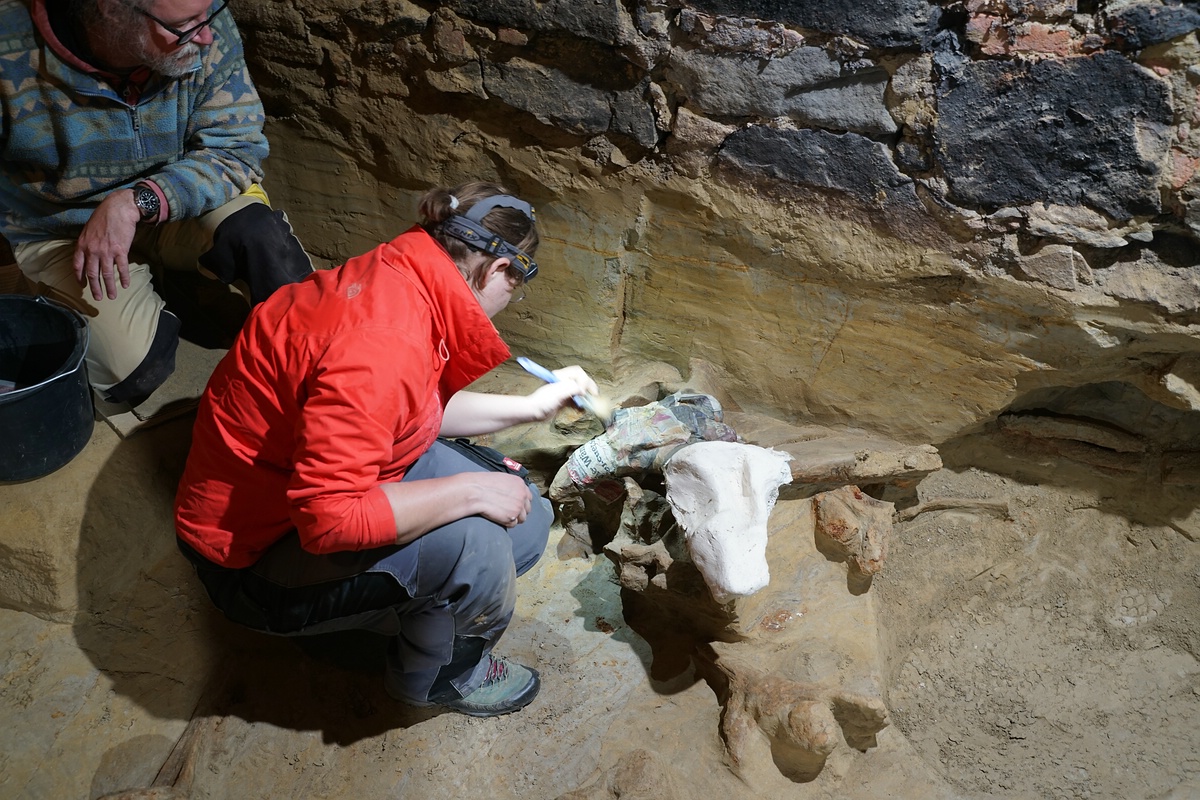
[{"x": 135, "y": 120}]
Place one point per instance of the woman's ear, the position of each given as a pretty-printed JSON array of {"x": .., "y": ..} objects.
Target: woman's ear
[{"x": 498, "y": 267}]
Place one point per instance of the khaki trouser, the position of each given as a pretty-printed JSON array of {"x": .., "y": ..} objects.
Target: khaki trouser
[{"x": 121, "y": 329}]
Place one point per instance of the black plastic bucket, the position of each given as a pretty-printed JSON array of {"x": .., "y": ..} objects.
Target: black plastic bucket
[{"x": 45, "y": 401}]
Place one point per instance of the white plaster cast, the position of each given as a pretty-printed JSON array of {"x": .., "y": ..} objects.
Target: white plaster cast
[{"x": 722, "y": 494}]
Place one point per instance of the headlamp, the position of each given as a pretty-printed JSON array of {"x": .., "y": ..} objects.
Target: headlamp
[{"x": 469, "y": 228}]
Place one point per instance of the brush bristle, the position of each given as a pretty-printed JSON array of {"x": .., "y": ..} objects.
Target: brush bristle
[{"x": 600, "y": 407}]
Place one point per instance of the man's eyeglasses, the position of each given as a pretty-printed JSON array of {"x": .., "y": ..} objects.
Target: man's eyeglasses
[{"x": 183, "y": 36}]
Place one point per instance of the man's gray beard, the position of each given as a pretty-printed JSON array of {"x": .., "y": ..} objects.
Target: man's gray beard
[{"x": 176, "y": 64}]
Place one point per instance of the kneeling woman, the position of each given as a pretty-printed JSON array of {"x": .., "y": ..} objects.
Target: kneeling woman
[{"x": 317, "y": 496}]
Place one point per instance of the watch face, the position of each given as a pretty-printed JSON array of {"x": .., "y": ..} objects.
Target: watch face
[{"x": 147, "y": 202}]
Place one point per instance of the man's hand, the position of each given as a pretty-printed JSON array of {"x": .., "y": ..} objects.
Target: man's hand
[{"x": 102, "y": 251}]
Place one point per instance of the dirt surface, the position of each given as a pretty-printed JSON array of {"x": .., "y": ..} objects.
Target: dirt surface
[
  {"x": 1048, "y": 651},
  {"x": 1040, "y": 641},
  {"x": 1037, "y": 624}
]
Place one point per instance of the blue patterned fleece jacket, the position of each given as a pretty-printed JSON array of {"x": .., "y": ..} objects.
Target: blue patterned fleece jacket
[{"x": 68, "y": 138}]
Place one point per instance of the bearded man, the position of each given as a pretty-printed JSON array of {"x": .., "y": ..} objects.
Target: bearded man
[{"x": 131, "y": 142}]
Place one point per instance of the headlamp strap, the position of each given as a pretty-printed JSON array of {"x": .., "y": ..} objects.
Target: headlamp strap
[{"x": 469, "y": 228}]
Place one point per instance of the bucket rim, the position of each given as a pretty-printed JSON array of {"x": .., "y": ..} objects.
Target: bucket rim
[{"x": 78, "y": 354}]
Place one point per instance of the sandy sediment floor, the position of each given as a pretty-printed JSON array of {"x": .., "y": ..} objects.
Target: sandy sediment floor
[{"x": 1039, "y": 640}]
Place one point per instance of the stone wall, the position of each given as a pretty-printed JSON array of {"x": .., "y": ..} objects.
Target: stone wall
[{"x": 909, "y": 215}]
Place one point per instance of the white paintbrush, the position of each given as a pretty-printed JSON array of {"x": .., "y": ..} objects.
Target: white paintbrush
[{"x": 597, "y": 406}]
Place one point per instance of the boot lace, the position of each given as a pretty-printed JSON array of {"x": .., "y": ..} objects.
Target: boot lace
[{"x": 497, "y": 671}]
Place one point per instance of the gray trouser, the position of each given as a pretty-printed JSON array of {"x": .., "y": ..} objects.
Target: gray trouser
[{"x": 445, "y": 599}]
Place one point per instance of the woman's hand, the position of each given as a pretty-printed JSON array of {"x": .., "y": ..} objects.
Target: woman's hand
[
  {"x": 549, "y": 398},
  {"x": 419, "y": 506},
  {"x": 545, "y": 402},
  {"x": 504, "y": 498},
  {"x": 579, "y": 377},
  {"x": 477, "y": 413}
]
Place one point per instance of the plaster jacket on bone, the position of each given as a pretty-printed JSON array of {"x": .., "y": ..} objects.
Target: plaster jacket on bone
[{"x": 722, "y": 494}]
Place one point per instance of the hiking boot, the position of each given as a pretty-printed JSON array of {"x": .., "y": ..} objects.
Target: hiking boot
[{"x": 507, "y": 687}]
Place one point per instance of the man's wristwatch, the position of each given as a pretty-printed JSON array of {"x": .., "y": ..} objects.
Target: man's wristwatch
[{"x": 146, "y": 199}]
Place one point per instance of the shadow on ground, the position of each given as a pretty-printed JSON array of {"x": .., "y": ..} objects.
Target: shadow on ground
[{"x": 146, "y": 623}]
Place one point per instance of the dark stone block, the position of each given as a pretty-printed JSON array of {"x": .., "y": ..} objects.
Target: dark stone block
[
  {"x": 1082, "y": 131},
  {"x": 806, "y": 84},
  {"x": 632, "y": 117},
  {"x": 556, "y": 99},
  {"x": 844, "y": 162},
  {"x": 949, "y": 58},
  {"x": 601, "y": 22},
  {"x": 880, "y": 23},
  {"x": 911, "y": 157},
  {"x": 377, "y": 20},
  {"x": 1145, "y": 24},
  {"x": 739, "y": 86}
]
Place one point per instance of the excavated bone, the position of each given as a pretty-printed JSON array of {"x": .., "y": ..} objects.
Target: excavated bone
[
  {"x": 826, "y": 458},
  {"x": 800, "y": 725},
  {"x": 1048, "y": 426},
  {"x": 802, "y": 722},
  {"x": 796, "y": 665},
  {"x": 722, "y": 494},
  {"x": 857, "y": 524}
]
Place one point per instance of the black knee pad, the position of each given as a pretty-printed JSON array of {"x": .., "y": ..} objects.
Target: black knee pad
[
  {"x": 155, "y": 368},
  {"x": 256, "y": 244}
]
